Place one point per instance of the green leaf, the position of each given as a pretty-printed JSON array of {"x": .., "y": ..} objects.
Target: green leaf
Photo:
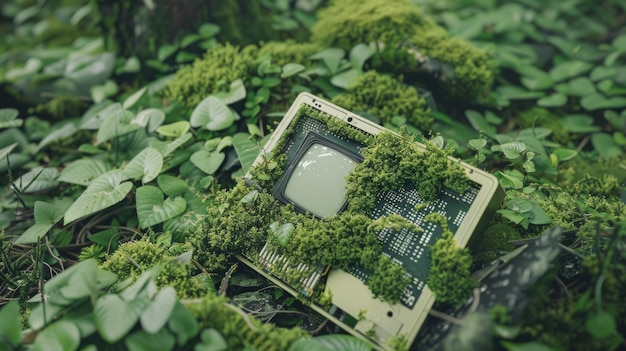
[
  {"x": 247, "y": 149},
  {"x": 580, "y": 124},
  {"x": 10, "y": 323},
  {"x": 100, "y": 92},
  {"x": 171, "y": 185},
  {"x": 62, "y": 336},
  {"x": 513, "y": 149},
  {"x": 135, "y": 99},
  {"x": 105, "y": 191},
  {"x": 569, "y": 69},
  {"x": 579, "y": 86},
  {"x": 37, "y": 179},
  {"x": 330, "y": 343},
  {"x": 236, "y": 92},
  {"x": 208, "y": 30},
  {"x": 291, "y": 69},
  {"x": 212, "y": 114},
  {"x": 564, "y": 154},
  {"x": 346, "y": 79},
  {"x": 115, "y": 317},
  {"x": 144, "y": 341},
  {"x": 360, "y": 54},
  {"x": 511, "y": 179},
  {"x": 118, "y": 124},
  {"x": 108, "y": 238},
  {"x": 250, "y": 197},
  {"x": 605, "y": 145},
  {"x": 282, "y": 232},
  {"x": 477, "y": 144},
  {"x": 602, "y": 72},
  {"x": 207, "y": 162},
  {"x": 554, "y": 100},
  {"x": 183, "y": 324},
  {"x": 538, "y": 82},
  {"x": 332, "y": 57},
  {"x": 147, "y": 165},
  {"x": 601, "y": 324},
  {"x": 83, "y": 171},
  {"x": 46, "y": 216},
  {"x": 66, "y": 131},
  {"x": 598, "y": 101},
  {"x": 516, "y": 93},
  {"x": 153, "y": 209},
  {"x": 166, "y": 51},
  {"x": 150, "y": 118},
  {"x": 212, "y": 340},
  {"x": 8, "y": 118},
  {"x": 7, "y": 150},
  {"x": 174, "y": 130},
  {"x": 158, "y": 312},
  {"x": 479, "y": 123}
]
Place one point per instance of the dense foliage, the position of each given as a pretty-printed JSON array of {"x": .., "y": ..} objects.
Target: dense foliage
[{"x": 126, "y": 126}]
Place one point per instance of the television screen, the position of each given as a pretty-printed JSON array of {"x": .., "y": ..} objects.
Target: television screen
[
  {"x": 317, "y": 183},
  {"x": 315, "y": 177}
]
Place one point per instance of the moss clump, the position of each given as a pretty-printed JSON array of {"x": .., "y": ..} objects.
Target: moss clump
[
  {"x": 213, "y": 73},
  {"x": 449, "y": 276},
  {"x": 386, "y": 97},
  {"x": 240, "y": 330},
  {"x": 283, "y": 52},
  {"x": 233, "y": 226},
  {"x": 465, "y": 70},
  {"x": 131, "y": 259},
  {"x": 393, "y": 162},
  {"x": 388, "y": 280},
  {"x": 492, "y": 243}
]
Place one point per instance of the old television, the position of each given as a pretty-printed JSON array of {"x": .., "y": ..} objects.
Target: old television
[{"x": 317, "y": 161}]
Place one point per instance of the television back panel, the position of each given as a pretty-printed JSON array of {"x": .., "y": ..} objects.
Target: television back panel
[{"x": 374, "y": 319}]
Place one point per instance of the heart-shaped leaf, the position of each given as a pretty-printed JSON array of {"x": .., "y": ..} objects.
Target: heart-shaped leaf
[
  {"x": 150, "y": 119},
  {"x": 360, "y": 54},
  {"x": 61, "y": 335},
  {"x": 105, "y": 191},
  {"x": 569, "y": 69},
  {"x": 147, "y": 165},
  {"x": 153, "y": 209},
  {"x": 247, "y": 149},
  {"x": 212, "y": 114},
  {"x": 8, "y": 118},
  {"x": 346, "y": 79},
  {"x": 332, "y": 58},
  {"x": 171, "y": 185},
  {"x": 174, "y": 130},
  {"x": 236, "y": 92},
  {"x": 46, "y": 216},
  {"x": 554, "y": 100},
  {"x": 159, "y": 310},
  {"x": 118, "y": 124},
  {"x": 83, "y": 171},
  {"x": 137, "y": 96},
  {"x": 291, "y": 69},
  {"x": 208, "y": 162},
  {"x": 115, "y": 317}
]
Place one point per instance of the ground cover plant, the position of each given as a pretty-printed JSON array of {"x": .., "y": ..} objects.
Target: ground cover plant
[{"x": 120, "y": 149}]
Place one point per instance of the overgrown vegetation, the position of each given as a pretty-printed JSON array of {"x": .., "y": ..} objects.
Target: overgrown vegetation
[{"x": 122, "y": 204}]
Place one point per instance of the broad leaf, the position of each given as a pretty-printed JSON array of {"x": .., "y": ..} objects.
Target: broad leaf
[
  {"x": 60, "y": 133},
  {"x": 132, "y": 100},
  {"x": 513, "y": 149},
  {"x": 158, "y": 312},
  {"x": 569, "y": 69},
  {"x": 37, "y": 179},
  {"x": 236, "y": 92},
  {"x": 62, "y": 335},
  {"x": 332, "y": 58},
  {"x": 8, "y": 118},
  {"x": 346, "y": 79},
  {"x": 247, "y": 149},
  {"x": 601, "y": 324},
  {"x": 171, "y": 185},
  {"x": 360, "y": 54},
  {"x": 207, "y": 162},
  {"x": 554, "y": 100},
  {"x": 182, "y": 323},
  {"x": 46, "y": 216},
  {"x": 118, "y": 124},
  {"x": 605, "y": 145},
  {"x": 151, "y": 119},
  {"x": 212, "y": 114},
  {"x": 291, "y": 69},
  {"x": 153, "y": 209},
  {"x": 105, "y": 191},
  {"x": 598, "y": 101},
  {"x": 147, "y": 165},
  {"x": 144, "y": 341},
  {"x": 83, "y": 171},
  {"x": 7, "y": 150},
  {"x": 115, "y": 317},
  {"x": 10, "y": 324},
  {"x": 479, "y": 123},
  {"x": 174, "y": 130},
  {"x": 212, "y": 340}
]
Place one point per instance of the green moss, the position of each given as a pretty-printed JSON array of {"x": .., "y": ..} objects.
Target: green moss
[
  {"x": 239, "y": 329},
  {"x": 388, "y": 280},
  {"x": 449, "y": 276},
  {"x": 213, "y": 73},
  {"x": 289, "y": 51},
  {"x": 386, "y": 97},
  {"x": 233, "y": 226},
  {"x": 542, "y": 117},
  {"x": 392, "y": 161},
  {"x": 61, "y": 107},
  {"x": 131, "y": 259},
  {"x": 400, "y": 24},
  {"x": 488, "y": 245}
]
